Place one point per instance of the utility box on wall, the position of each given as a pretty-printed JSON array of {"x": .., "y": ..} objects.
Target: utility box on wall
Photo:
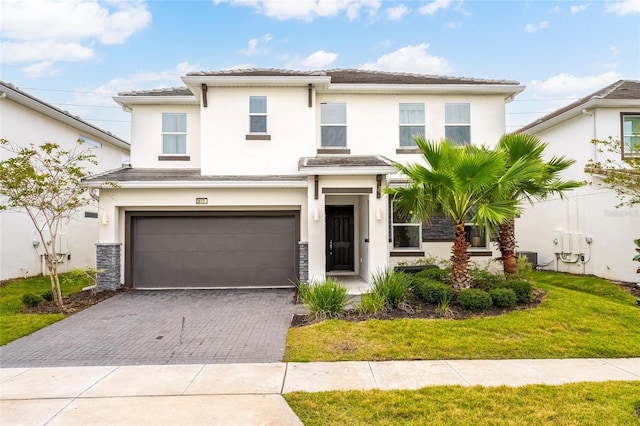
[{"x": 568, "y": 242}]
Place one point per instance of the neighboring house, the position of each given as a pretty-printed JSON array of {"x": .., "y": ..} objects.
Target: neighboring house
[
  {"x": 261, "y": 177},
  {"x": 26, "y": 120},
  {"x": 586, "y": 233}
]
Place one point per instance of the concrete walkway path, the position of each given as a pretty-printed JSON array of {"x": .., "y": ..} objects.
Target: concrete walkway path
[{"x": 250, "y": 394}]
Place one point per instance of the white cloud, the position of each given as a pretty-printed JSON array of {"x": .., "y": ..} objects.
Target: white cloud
[
  {"x": 569, "y": 86},
  {"x": 44, "y": 50},
  {"x": 67, "y": 29},
  {"x": 396, "y": 13},
  {"x": 307, "y": 10},
  {"x": 433, "y": 7},
  {"x": 624, "y": 7},
  {"x": 319, "y": 59},
  {"x": 453, "y": 25},
  {"x": 41, "y": 69},
  {"x": 614, "y": 50},
  {"x": 257, "y": 45},
  {"x": 412, "y": 59},
  {"x": 580, "y": 8},
  {"x": 532, "y": 28}
]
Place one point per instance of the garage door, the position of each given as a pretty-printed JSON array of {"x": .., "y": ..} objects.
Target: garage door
[{"x": 213, "y": 251}]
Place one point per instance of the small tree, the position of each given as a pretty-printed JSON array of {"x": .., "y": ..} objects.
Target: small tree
[
  {"x": 622, "y": 174},
  {"x": 45, "y": 182}
]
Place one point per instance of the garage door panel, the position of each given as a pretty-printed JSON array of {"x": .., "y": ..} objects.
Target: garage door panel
[{"x": 216, "y": 251}]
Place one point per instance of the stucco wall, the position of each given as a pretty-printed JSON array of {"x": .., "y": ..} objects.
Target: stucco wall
[
  {"x": 589, "y": 211},
  {"x": 18, "y": 257}
]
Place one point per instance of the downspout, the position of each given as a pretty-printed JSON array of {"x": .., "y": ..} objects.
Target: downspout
[{"x": 593, "y": 132}]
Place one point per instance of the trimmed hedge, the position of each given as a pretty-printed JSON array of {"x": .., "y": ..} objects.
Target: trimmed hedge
[
  {"x": 503, "y": 297},
  {"x": 523, "y": 290},
  {"x": 30, "y": 300},
  {"x": 433, "y": 291},
  {"x": 436, "y": 274},
  {"x": 473, "y": 299}
]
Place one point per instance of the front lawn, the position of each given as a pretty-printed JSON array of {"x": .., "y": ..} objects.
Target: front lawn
[
  {"x": 610, "y": 403},
  {"x": 13, "y": 323},
  {"x": 581, "y": 317}
]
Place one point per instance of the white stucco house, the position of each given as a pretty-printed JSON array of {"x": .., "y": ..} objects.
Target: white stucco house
[
  {"x": 260, "y": 177},
  {"x": 586, "y": 233},
  {"x": 25, "y": 120}
]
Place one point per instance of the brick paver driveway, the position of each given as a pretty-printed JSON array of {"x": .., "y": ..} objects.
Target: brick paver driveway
[{"x": 164, "y": 327}]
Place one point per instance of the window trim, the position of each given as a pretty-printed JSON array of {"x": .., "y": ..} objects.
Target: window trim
[
  {"x": 322, "y": 146},
  {"x": 401, "y": 124},
  {"x": 163, "y": 133},
  {"x": 633, "y": 155},
  {"x": 259, "y": 114},
  {"x": 417, "y": 224},
  {"x": 467, "y": 125}
]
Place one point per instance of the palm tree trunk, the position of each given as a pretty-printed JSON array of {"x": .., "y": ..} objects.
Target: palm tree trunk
[
  {"x": 507, "y": 245},
  {"x": 460, "y": 275}
]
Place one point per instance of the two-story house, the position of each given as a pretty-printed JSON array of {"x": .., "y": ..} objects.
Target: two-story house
[
  {"x": 259, "y": 177},
  {"x": 586, "y": 233},
  {"x": 25, "y": 120}
]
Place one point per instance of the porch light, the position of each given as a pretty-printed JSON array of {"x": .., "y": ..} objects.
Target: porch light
[
  {"x": 105, "y": 218},
  {"x": 378, "y": 214},
  {"x": 316, "y": 214}
]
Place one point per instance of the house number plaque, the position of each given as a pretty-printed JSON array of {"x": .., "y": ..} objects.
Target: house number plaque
[{"x": 202, "y": 201}]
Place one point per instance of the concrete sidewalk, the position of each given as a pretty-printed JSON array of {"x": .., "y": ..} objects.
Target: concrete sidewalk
[{"x": 250, "y": 394}]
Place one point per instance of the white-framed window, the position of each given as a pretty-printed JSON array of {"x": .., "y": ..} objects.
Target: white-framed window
[
  {"x": 257, "y": 114},
  {"x": 90, "y": 141},
  {"x": 407, "y": 232},
  {"x": 174, "y": 133},
  {"x": 411, "y": 123},
  {"x": 457, "y": 122},
  {"x": 630, "y": 134},
  {"x": 333, "y": 125},
  {"x": 475, "y": 236}
]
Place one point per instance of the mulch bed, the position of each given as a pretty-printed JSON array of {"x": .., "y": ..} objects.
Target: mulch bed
[{"x": 73, "y": 303}]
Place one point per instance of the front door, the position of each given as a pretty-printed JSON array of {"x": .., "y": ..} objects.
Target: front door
[{"x": 340, "y": 250}]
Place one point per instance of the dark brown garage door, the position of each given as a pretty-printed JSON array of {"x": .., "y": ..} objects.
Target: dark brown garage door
[{"x": 213, "y": 251}]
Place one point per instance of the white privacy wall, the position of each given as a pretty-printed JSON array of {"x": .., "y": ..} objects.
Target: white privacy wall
[
  {"x": 18, "y": 257},
  {"x": 588, "y": 213}
]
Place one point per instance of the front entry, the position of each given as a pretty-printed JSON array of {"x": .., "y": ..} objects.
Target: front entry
[{"x": 340, "y": 238}]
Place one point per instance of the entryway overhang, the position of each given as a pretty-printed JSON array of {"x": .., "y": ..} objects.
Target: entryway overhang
[{"x": 346, "y": 165}]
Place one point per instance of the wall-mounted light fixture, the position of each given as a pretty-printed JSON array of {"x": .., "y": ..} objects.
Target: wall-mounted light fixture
[
  {"x": 378, "y": 214},
  {"x": 105, "y": 218},
  {"x": 316, "y": 214}
]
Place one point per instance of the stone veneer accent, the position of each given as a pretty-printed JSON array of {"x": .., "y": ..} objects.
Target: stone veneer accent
[
  {"x": 303, "y": 270},
  {"x": 108, "y": 262}
]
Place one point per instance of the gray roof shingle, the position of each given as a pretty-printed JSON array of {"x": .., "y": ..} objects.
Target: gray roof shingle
[
  {"x": 350, "y": 161},
  {"x": 129, "y": 174}
]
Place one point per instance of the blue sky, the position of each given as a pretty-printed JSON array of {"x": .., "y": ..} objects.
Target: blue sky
[{"x": 77, "y": 54}]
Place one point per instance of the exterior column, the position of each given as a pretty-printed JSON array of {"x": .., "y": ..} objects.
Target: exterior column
[
  {"x": 108, "y": 265},
  {"x": 303, "y": 267}
]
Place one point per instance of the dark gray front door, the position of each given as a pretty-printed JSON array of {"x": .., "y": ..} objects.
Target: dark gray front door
[
  {"x": 340, "y": 244},
  {"x": 213, "y": 251}
]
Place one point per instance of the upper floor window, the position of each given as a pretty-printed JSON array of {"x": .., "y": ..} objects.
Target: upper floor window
[
  {"x": 411, "y": 123},
  {"x": 174, "y": 133},
  {"x": 457, "y": 123},
  {"x": 406, "y": 231},
  {"x": 333, "y": 124},
  {"x": 630, "y": 135},
  {"x": 91, "y": 142},
  {"x": 257, "y": 114}
]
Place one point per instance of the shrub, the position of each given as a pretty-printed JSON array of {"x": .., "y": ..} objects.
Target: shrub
[
  {"x": 392, "y": 286},
  {"x": 523, "y": 290},
  {"x": 437, "y": 274},
  {"x": 48, "y": 295},
  {"x": 525, "y": 268},
  {"x": 474, "y": 299},
  {"x": 503, "y": 297},
  {"x": 486, "y": 280},
  {"x": 30, "y": 300},
  {"x": 371, "y": 303},
  {"x": 327, "y": 298},
  {"x": 434, "y": 291}
]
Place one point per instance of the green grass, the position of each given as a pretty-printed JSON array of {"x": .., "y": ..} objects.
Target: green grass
[
  {"x": 581, "y": 317},
  {"x": 608, "y": 403},
  {"x": 14, "y": 324}
]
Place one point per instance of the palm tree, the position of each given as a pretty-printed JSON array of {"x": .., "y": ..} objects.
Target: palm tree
[
  {"x": 546, "y": 182},
  {"x": 461, "y": 183}
]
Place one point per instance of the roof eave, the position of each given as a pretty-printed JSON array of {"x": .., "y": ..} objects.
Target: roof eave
[
  {"x": 196, "y": 81},
  {"x": 578, "y": 110},
  {"x": 63, "y": 117},
  {"x": 126, "y": 101},
  {"x": 509, "y": 91},
  {"x": 108, "y": 184},
  {"x": 346, "y": 170}
]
